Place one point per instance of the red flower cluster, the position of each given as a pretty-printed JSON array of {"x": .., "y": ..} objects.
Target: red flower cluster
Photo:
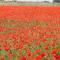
[{"x": 29, "y": 33}]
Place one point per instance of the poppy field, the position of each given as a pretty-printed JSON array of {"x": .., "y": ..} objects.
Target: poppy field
[{"x": 29, "y": 33}]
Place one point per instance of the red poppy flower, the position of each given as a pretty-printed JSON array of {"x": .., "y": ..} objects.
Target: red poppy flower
[
  {"x": 53, "y": 51},
  {"x": 24, "y": 58},
  {"x": 40, "y": 56},
  {"x": 6, "y": 48},
  {"x": 28, "y": 53},
  {"x": 46, "y": 48},
  {"x": 57, "y": 56},
  {"x": 37, "y": 51},
  {"x": 43, "y": 54},
  {"x": 2, "y": 58}
]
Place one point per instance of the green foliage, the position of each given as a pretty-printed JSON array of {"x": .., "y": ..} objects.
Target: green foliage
[
  {"x": 6, "y": 57},
  {"x": 38, "y": 47},
  {"x": 23, "y": 52},
  {"x": 50, "y": 48},
  {"x": 2, "y": 52},
  {"x": 58, "y": 53},
  {"x": 12, "y": 51}
]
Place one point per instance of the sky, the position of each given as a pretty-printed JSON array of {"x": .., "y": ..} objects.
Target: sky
[
  {"x": 36, "y": 0},
  {"x": 33, "y": 0}
]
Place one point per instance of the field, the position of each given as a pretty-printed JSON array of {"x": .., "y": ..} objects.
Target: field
[{"x": 29, "y": 33}]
